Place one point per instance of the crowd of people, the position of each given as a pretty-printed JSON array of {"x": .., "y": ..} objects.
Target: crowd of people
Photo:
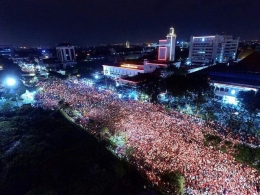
[{"x": 161, "y": 141}]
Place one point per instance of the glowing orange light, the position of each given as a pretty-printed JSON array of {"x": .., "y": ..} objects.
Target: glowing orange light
[{"x": 129, "y": 66}]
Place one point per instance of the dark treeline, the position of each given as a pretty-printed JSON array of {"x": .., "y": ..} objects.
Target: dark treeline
[{"x": 42, "y": 153}]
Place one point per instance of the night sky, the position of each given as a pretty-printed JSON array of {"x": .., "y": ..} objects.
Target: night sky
[{"x": 93, "y": 22}]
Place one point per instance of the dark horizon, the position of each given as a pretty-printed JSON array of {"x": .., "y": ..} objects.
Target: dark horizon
[{"x": 46, "y": 23}]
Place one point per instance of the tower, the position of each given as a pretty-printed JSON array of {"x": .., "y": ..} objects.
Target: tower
[
  {"x": 127, "y": 44},
  {"x": 166, "y": 49},
  {"x": 171, "y": 39}
]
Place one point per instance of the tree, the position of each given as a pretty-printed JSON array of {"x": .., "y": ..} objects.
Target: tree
[
  {"x": 250, "y": 103},
  {"x": 232, "y": 117},
  {"x": 104, "y": 133},
  {"x": 150, "y": 85},
  {"x": 6, "y": 108},
  {"x": 176, "y": 180},
  {"x": 173, "y": 70},
  {"x": 176, "y": 86},
  {"x": 129, "y": 151},
  {"x": 208, "y": 114}
]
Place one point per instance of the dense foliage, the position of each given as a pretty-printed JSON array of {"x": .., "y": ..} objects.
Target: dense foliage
[
  {"x": 41, "y": 153},
  {"x": 242, "y": 153}
]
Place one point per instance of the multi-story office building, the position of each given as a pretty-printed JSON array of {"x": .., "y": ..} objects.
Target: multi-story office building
[
  {"x": 66, "y": 54},
  {"x": 212, "y": 49}
]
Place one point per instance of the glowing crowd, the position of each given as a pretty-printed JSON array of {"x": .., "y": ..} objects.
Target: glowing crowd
[{"x": 161, "y": 141}]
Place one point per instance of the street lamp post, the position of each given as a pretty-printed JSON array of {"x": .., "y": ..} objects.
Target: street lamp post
[{"x": 106, "y": 78}]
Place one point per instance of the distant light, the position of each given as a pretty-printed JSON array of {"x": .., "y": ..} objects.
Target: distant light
[
  {"x": 96, "y": 76},
  {"x": 120, "y": 96},
  {"x": 203, "y": 39},
  {"x": 233, "y": 92},
  {"x": 10, "y": 81}
]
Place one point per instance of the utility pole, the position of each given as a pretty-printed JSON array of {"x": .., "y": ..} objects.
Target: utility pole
[{"x": 106, "y": 78}]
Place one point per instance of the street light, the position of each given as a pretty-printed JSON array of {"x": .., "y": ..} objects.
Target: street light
[
  {"x": 10, "y": 81},
  {"x": 106, "y": 77}
]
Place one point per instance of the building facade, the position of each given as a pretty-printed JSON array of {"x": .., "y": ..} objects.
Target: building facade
[
  {"x": 130, "y": 69},
  {"x": 212, "y": 49},
  {"x": 66, "y": 54}
]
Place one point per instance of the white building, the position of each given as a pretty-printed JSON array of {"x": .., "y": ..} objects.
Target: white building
[
  {"x": 131, "y": 69},
  {"x": 211, "y": 49},
  {"x": 166, "y": 50},
  {"x": 66, "y": 54},
  {"x": 227, "y": 91}
]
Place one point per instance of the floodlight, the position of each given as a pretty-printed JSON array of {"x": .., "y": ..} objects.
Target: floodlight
[{"x": 10, "y": 81}]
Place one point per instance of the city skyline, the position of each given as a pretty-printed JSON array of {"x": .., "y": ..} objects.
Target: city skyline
[{"x": 31, "y": 23}]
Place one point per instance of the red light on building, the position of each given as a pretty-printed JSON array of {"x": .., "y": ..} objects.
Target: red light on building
[{"x": 162, "y": 53}]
